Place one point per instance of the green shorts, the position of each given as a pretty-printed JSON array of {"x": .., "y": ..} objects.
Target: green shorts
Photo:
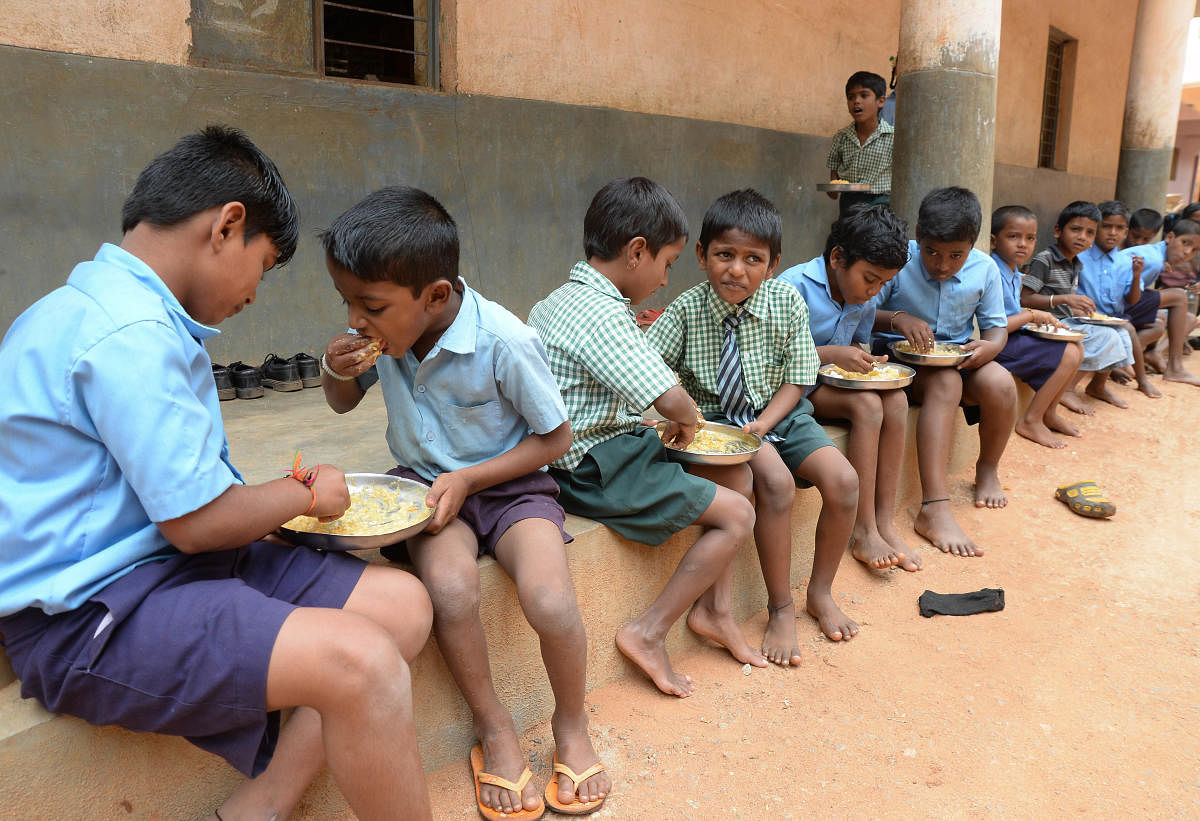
[
  {"x": 802, "y": 434},
  {"x": 628, "y": 484}
]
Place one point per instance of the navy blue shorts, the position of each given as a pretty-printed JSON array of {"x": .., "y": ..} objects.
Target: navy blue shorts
[
  {"x": 879, "y": 347},
  {"x": 180, "y": 646},
  {"x": 1144, "y": 312},
  {"x": 1030, "y": 358},
  {"x": 492, "y": 511}
]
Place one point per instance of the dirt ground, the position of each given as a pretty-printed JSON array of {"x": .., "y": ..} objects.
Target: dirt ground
[{"x": 1081, "y": 697}]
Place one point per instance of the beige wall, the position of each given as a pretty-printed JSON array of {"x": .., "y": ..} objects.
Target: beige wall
[
  {"x": 152, "y": 30},
  {"x": 780, "y": 65},
  {"x": 1104, "y": 30}
]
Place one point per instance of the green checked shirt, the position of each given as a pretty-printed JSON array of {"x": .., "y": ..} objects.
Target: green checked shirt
[
  {"x": 870, "y": 162},
  {"x": 774, "y": 341},
  {"x": 605, "y": 370}
]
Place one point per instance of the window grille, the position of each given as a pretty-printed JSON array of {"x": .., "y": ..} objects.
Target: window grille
[
  {"x": 1052, "y": 100},
  {"x": 389, "y": 41}
]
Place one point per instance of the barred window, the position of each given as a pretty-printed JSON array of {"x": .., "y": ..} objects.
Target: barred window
[
  {"x": 389, "y": 41},
  {"x": 1056, "y": 101}
]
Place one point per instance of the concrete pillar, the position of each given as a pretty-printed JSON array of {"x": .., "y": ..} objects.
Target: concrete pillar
[
  {"x": 945, "y": 101},
  {"x": 1152, "y": 101}
]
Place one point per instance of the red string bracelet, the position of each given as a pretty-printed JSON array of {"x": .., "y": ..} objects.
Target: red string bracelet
[{"x": 306, "y": 477}]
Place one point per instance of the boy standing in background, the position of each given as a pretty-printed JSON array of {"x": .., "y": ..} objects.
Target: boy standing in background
[{"x": 862, "y": 151}]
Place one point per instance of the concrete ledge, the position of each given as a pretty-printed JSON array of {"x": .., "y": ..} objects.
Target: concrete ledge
[{"x": 110, "y": 772}]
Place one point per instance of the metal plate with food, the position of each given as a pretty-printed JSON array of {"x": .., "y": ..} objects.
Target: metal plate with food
[
  {"x": 383, "y": 510},
  {"x": 1101, "y": 319},
  {"x": 1054, "y": 332},
  {"x": 941, "y": 354},
  {"x": 885, "y": 376},
  {"x": 715, "y": 444},
  {"x": 843, "y": 185}
]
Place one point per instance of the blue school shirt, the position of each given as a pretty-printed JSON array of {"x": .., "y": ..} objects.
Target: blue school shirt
[
  {"x": 479, "y": 391},
  {"x": 1105, "y": 279},
  {"x": 974, "y": 293},
  {"x": 111, "y": 423},
  {"x": 1153, "y": 255},
  {"x": 830, "y": 323},
  {"x": 1010, "y": 283}
]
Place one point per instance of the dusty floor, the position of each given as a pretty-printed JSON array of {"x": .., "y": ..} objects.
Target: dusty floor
[{"x": 1081, "y": 697}]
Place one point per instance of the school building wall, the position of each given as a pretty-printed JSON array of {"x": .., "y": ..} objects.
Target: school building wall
[{"x": 543, "y": 103}]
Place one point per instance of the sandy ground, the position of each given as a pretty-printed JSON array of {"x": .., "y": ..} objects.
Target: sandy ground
[{"x": 1081, "y": 697}]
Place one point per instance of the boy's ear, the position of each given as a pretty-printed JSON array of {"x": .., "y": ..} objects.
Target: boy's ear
[
  {"x": 879, "y": 101},
  {"x": 993, "y": 246},
  {"x": 229, "y": 222},
  {"x": 700, "y": 255},
  {"x": 634, "y": 250},
  {"x": 837, "y": 258},
  {"x": 771, "y": 268},
  {"x": 437, "y": 294}
]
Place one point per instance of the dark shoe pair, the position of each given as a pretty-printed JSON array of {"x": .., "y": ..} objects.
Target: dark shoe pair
[
  {"x": 247, "y": 384},
  {"x": 280, "y": 374},
  {"x": 225, "y": 389},
  {"x": 309, "y": 369}
]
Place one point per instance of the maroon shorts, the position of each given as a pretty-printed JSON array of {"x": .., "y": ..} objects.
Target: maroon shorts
[
  {"x": 180, "y": 646},
  {"x": 492, "y": 511},
  {"x": 1144, "y": 312},
  {"x": 1030, "y": 358}
]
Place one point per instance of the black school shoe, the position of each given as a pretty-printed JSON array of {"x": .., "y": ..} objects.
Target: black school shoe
[
  {"x": 246, "y": 381},
  {"x": 280, "y": 374},
  {"x": 225, "y": 389},
  {"x": 309, "y": 369}
]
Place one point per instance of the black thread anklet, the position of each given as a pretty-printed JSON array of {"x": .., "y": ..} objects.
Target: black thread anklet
[
  {"x": 933, "y": 501},
  {"x": 775, "y": 609}
]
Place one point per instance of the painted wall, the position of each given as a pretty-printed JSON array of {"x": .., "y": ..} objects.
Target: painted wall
[{"x": 152, "y": 30}]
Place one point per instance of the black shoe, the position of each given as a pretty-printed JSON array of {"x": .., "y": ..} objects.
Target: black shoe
[
  {"x": 280, "y": 374},
  {"x": 309, "y": 369},
  {"x": 225, "y": 389},
  {"x": 246, "y": 382},
  {"x": 1194, "y": 341}
]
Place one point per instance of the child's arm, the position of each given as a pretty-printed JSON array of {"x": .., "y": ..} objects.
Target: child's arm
[
  {"x": 781, "y": 405},
  {"x": 915, "y": 330},
  {"x": 346, "y": 357},
  {"x": 534, "y": 452},
  {"x": 244, "y": 513},
  {"x": 1135, "y": 288},
  {"x": 677, "y": 407},
  {"x": 1080, "y": 304},
  {"x": 1032, "y": 317},
  {"x": 990, "y": 343},
  {"x": 850, "y": 357}
]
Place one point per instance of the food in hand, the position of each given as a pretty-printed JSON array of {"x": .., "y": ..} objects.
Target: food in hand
[{"x": 371, "y": 351}]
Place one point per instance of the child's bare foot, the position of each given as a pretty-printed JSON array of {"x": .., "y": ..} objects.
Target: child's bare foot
[
  {"x": 1105, "y": 395},
  {"x": 1038, "y": 432},
  {"x": 1074, "y": 402},
  {"x": 911, "y": 560},
  {"x": 936, "y": 523},
  {"x": 502, "y": 756},
  {"x": 1181, "y": 374},
  {"x": 835, "y": 624},
  {"x": 1147, "y": 387},
  {"x": 1154, "y": 361},
  {"x": 874, "y": 551},
  {"x": 652, "y": 657},
  {"x": 721, "y": 628},
  {"x": 988, "y": 490},
  {"x": 781, "y": 635},
  {"x": 1121, "y": 376},
  {"x": 574, "y": 749},
  {"x": 1059, "y": 425}
]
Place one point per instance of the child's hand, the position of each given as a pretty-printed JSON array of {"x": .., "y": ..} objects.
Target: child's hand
[
  {"x": 1079, "y": 304},
  {"x": 1044, "y": 318},
  {"x": 757, "y": 428},
  {"x": 351, "y": 354},
  {"x": 446, "y": 497},
  {"x": 678, "y": 435},
  {"x": 1138, "y": 265},
  {"x": 982, "y": 352},
  {"x": 916, "y": 331},
  {"x": 854, "y": 358},
  {"x": 333, "y": 497}
]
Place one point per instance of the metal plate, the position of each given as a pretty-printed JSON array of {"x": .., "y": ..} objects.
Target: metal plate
[
  {"x": 844, "y": 186},
  {"x": 407, "y": 492},
  {"x": 939, "y": 360},
  {"x": 1093, "y": 320},
  {"x": 828, "y": 377},
  {"x": 1056, "y": 335},
  {"x": 748, "y": 439}
]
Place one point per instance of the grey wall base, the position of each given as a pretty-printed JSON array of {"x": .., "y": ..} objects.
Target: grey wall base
[{"x": 1142, "y": 177}]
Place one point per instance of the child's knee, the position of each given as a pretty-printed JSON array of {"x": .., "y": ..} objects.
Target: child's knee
[
  {"x": 551, "y": 609},
  {"x": 455, "y": 596},
  {"x": 839, "y": 486},
  {"x": 774, "y": 490},
  {"x": 866, "y": 410},
  {"x": 1073, "y": 355}
]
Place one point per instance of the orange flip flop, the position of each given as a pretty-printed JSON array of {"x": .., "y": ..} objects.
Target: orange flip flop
[
  {"x": 482, "y": 777},
  {"x": 576, "y": 807}
]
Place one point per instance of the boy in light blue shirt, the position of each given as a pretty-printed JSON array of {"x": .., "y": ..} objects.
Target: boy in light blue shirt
[
  {"x": 137, "y": 585},
  {"x": 475, "y": 413},
  {"x": 865, "y": 249},
  {"x": 947, "y": 286}
]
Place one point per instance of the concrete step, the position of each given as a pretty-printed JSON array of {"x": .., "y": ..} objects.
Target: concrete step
[{"x": 59, "y": 767}]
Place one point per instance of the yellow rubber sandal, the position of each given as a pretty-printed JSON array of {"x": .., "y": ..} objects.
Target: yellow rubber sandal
[
  {"x": 517, "y": 786},
  {"x": 1086, "y": 499},
  {"x": 578, "y": 806}
]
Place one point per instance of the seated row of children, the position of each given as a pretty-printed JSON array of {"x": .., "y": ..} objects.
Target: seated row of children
[{"x": 125, "y": 560}]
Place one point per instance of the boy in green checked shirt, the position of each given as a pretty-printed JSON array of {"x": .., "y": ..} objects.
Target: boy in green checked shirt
[
  {"x": 862, "y": 151},
  {"x": 615, "y": 471},
  {"x": 743, "y": 350}
]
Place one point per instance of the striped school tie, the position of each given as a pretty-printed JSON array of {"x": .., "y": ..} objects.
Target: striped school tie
[{"x": 731, "y": 388}]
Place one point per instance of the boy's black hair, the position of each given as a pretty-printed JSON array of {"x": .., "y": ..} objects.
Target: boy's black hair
[
  {"x": 1146, "y": 219},
  {"x": 1004, "y": 213},
  {"x": 1182, "y": 227},
  {"x": 870, "y": 81},
  {"x": 1188, "y": 212},
  {"x": 1113, "y": 208},
  {"x": 397, "y": 234},
  {"x": 950, "y": 214},
  {"x": 206, "y": 170},
  {"x": 748, "y": 211},
  {"x": 1076, "y": 209},
  {"x": 870, "y": 232},
  {"x": 627, "y": 208}
]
